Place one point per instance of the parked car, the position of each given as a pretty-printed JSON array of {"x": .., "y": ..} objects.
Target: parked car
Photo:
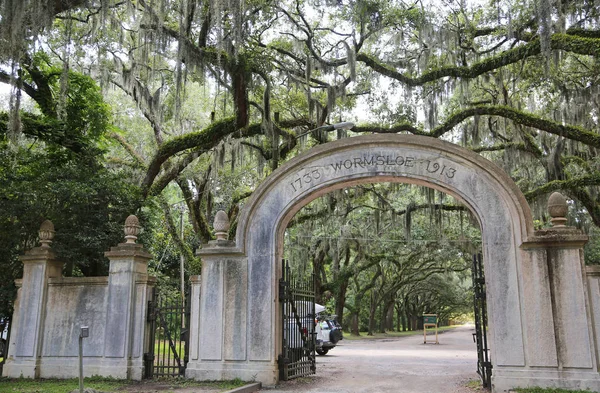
[
  {"x": 329, "y": 333},
  {"x": 301, "y": 325}
]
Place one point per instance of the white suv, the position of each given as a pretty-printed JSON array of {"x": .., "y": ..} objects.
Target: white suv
[
  {"x": 300, "y": 326},
  {"x": 329, "y": 333}
]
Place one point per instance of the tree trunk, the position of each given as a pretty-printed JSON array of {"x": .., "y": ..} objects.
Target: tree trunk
[
  {"x": 372, "y": 311},
  {"x": 340, "y": 302},
  {"x": 382, "y": 318},
  {"x": 354, "y": 329},
  {"x": 389, "y": 315}
]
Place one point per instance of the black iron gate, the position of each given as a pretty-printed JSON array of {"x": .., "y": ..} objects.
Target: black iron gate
[
  {"x": 169, "y": 320},
  {"x": 484, "y": 366},
  {"x": 297, "y": 299}
]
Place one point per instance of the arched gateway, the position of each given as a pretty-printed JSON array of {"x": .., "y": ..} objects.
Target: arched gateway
[{"x": 542, "y": 330}]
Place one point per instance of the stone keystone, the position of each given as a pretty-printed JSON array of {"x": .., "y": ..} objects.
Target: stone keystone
[
  {"x": 221, "y": 225},
  {"x": 557, "y": 208},
  {"x": 132, "y": 228},
  {"x": 46, "y": 233}
]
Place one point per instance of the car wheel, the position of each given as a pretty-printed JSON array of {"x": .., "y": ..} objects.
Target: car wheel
[
  {"x": 335, "y": 335},
  {"x": 322, "y": 351}
]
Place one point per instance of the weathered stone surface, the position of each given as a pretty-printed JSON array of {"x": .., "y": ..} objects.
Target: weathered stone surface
[
  {"x": 51, "y": 309},
  {"x": 235, "y": 327},
  {"x": 540, "y": 339},
  {"x": 593, "y": 283},
  {"x": 570, "y": 315},
  {"x": 72, "y": 303},
  {"x": 211, "y": 311},
  {"x": 196, "y": 283},
  {"x": 127, "y": 262}
]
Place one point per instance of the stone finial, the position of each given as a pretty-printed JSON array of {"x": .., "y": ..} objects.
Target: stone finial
[
  {"x": 46, "y": 233},
  {"x": 221, "y": 225},
  {"x": 557, "y": 208},
  {"x": 132, "y": 228}
]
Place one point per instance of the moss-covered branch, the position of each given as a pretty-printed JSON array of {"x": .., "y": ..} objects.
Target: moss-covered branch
[
  {"x": 200, "y": 141},
  {"x": 501, "y": 146},
  {"x": 173, "y": 172},
  {"x": 134, "y": 154},
  {"x": 519, "y": 117},
  {"x": 567, "y": 185},
  {"x": 396, "y": 128},
  {"x": 525, "y": 119},
  {"x": 591, "y": 204},
  {"x": 580, "y": 44},
  {"x": 205, "y": 139}
]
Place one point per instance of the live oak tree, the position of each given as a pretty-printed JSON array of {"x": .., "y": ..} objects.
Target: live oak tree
[
  {"x": 383, "y": 254},
  {"x": 516, "y": 82}
]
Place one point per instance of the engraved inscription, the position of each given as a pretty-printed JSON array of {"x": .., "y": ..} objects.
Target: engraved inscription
[
  {"x": 309, "y": 176},
  {"x": 306, "y": 179}
]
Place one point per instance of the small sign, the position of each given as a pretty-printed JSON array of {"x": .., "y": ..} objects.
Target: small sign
[{"x": 430, "y": 320}]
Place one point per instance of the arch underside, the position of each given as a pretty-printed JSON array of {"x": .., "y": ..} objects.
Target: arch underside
[{"x": 483, "y": 187}]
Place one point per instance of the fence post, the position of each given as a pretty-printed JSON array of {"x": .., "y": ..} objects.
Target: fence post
[
  {"x": 39, "y": 264},
  {"x": 126, "y": 306}
]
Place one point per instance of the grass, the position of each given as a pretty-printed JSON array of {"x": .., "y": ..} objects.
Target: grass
[
  {"x": 475, "y": 385},
  {"x": 549, "y": 390},
  {"x": 107, "y": 385},
  {"x": 22, "y": 385},
  {"x": 364, "y": 336}
]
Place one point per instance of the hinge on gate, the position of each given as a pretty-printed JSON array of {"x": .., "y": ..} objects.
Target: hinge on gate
[
  {"x": 283, "y": 289},
  {"x": 151, "y": 316}
]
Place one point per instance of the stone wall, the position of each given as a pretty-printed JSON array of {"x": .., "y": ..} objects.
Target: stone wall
[
  {"x": 50, "y": 311},
  {"x": 73, "y": 302}
]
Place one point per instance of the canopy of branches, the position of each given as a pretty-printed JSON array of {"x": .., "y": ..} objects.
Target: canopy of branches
[{"x": 158, "y": 102}]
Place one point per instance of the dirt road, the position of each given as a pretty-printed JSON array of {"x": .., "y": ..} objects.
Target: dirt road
[{"x": 398, "y": 365}]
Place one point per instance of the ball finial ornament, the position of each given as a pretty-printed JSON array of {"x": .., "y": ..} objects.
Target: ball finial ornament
[
  {"x": 557, "y": 208},
  {"x": 46, "y": 233},
  {"x": 221, "y": 225},
  {"x": 132, "y": 228}
]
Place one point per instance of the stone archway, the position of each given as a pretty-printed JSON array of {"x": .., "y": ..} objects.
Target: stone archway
[{"x": 237, "y": 312}]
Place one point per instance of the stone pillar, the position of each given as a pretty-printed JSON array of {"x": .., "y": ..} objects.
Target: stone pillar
[
  {"x": 556, "y": 312},
  {"x": 39, "y": 264},
  {"x": 219, "y": 323},
  {"x": 128, "y": 291}
]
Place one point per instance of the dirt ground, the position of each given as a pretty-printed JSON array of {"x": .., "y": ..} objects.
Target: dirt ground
[
  {"x": 398, "y": 365},
  {"x": 394, "y": 365}
]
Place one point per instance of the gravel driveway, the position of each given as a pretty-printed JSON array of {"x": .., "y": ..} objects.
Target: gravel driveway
[{"x": 399, "y": 365}]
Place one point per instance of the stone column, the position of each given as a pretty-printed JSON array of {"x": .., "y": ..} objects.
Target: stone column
[
  {"x": 220, "y": 349},
  {"x": 126, "y": 306},
  {"x": 556, "y": 311},
  {"x": 39, "y": 264}
]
